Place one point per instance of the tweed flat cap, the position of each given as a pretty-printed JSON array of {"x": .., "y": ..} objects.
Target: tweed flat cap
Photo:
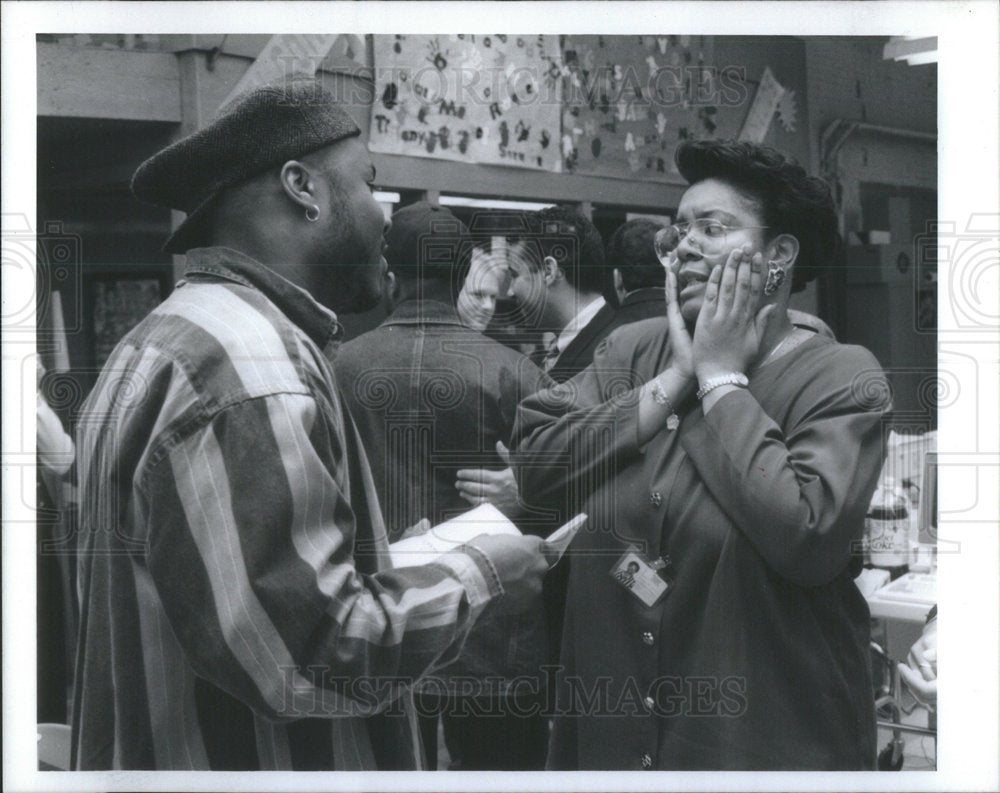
[{"x": 261, "y": 129}]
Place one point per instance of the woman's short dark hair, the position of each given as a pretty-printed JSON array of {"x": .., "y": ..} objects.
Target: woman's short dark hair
[
  {"x": 630, "y": 251},
  {"x": 791, "y": 201}
]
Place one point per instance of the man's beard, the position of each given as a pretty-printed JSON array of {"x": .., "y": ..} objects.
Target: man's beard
[
  {"x": 352, "y": 290},
  {"x": 352, "y": 286}
]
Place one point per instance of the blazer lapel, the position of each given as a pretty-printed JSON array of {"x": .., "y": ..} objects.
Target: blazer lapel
[{"x": 579, "y": 353}]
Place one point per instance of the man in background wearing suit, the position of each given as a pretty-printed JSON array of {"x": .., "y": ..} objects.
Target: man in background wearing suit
[
  {"x": 556, "y": 286},
  {"x": 638, "y": 280}
]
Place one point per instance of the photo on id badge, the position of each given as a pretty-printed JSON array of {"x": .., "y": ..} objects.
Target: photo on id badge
[{"x": 639, "y": 578}]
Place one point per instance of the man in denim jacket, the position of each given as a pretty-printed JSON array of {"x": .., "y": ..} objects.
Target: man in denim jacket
[{"x": 435, "y": 413}]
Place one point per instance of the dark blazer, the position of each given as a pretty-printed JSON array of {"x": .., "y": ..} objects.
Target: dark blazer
[
  {"x": 757, "y": 657},
  {"x": 638, "y": 305},
  {"x": 641, "y": 304}
]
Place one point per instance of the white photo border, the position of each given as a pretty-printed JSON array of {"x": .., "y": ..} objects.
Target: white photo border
[{"x": 968, "y": 585}]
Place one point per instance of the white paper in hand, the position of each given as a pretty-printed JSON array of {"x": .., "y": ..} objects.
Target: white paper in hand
[
  {"x": 425, "y": 548},
  {"x": 558, "y": 541}
]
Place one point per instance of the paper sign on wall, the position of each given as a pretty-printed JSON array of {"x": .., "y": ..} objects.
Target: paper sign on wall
[
  {"x": 765, "y": 102},
  {"x": 282, "y": 56},
  {"x": 628, "y": 101},
  {"x": 472, "y": 98}
]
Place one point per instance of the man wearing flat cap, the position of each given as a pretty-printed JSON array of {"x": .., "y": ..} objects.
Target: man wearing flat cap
[{"x": 238, "y": 610}]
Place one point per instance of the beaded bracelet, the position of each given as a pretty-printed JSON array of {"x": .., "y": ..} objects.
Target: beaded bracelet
[{"x": 660, "y": 398}]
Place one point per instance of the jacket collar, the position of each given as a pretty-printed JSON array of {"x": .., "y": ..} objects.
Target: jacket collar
[
  {"x": 644, "y": 295},
  {"x": 318, "y": 322},
  {"x": 423, "y": 312},
  {"x": 582, "y": 340},
  {"x": 575, "y": 327}
]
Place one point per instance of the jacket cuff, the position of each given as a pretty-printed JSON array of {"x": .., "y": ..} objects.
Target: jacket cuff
[{"x": 477, "y": 574}]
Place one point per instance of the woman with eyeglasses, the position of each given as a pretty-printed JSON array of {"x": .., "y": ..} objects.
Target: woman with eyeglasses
[{"x": 732, "y": 456}]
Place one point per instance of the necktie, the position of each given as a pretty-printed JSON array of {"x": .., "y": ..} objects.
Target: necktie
[{"x": 551, "y": 352}]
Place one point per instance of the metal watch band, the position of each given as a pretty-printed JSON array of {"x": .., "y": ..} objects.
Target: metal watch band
[{"x": 733, "y": 378}]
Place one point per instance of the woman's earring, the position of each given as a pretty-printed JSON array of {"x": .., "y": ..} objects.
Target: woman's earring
[
  {"x": 775, "y": 277},
  {"x": 312, "y": 213}
]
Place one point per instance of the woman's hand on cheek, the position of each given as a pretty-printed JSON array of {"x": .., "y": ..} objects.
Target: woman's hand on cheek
[
  {"x": 728, "y": 333},
  {"x": 681, "y": 357}
]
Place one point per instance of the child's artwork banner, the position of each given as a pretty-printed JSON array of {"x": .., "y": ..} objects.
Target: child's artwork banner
[
  {"x": 628, "y": 101},
  {"x": 472, "y": 98}
]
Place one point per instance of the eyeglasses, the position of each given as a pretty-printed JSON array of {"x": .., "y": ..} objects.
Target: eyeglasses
[{"x": 708, "y": 229}]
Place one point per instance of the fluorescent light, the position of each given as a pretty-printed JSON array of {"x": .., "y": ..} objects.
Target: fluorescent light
[
  {"x": 385, "y": 197},
  {"x": 913, "y": 49},
  {"x": 921, "y": 58},
  {"x": 489, "y": 203}
]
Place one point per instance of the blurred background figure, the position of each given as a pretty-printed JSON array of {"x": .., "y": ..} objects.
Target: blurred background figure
[
  {"x": 638, "y": 279},
  {"x": 511, "y": 325},
  {"x": 557, "y": 275},
  {"x": 636, "y": 271},
  {"x": 56, "y": 453},
  {"x": 56, "y": 599},
  {"x": 477, "y": 299},
  {"x": 920, "y": 670},
  {"x": 435, "y": 402}
]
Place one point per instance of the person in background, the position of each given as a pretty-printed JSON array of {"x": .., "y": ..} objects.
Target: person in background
[
  {"x": 920, "y": 670},
  {"x": 56, "y": 452},
  {"x": 741, "y": 456},
  {"x": 636, "y": 272},
  {"x": 557, "y": 267},
  {"x": 638, "y": 281},
  {"x": 477, "y": 299},
  {"x": 239, "y": 610},
  {"x": 55, "y": 597},
  {"x": 510, "y": 324},
  {"x": 435, "y": 402}
]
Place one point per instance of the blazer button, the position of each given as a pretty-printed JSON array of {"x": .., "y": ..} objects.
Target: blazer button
[
  {"x": 646, "y": 761},
  {"x": 649, "y": 702},
  {"x": 655, "y": 498},
  {"x": 648, "y": 638}
]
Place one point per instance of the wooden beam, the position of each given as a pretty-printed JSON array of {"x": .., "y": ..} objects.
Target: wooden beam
[
  {"x": 397, "y": 172},
  {"x": 250, "y": 46},
  {"x": 247, "y": 45},
  {"x": 87, "y": 82}
]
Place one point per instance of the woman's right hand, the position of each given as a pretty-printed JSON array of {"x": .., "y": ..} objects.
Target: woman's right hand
[{"x": 681, "y": 357}]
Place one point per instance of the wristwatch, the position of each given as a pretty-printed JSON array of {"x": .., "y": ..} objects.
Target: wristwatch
[{"x": 733, "y": 378}]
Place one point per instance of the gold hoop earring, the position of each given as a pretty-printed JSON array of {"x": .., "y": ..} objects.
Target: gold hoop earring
[
  {"x": 312, "y": 213},
  {"x": 775, "y": 277}
]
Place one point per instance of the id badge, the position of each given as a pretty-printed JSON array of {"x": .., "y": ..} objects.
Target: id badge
[{"x": 641, "y": 578}]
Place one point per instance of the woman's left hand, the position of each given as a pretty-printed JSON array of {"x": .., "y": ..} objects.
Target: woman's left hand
[{"x": 729, "y": 330}]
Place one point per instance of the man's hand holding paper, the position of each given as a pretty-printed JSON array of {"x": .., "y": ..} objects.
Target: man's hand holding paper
[{"x": 521, "y": 561}]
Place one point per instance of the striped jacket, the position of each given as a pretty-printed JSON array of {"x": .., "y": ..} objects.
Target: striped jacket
[{"x": 237, "y": 607}]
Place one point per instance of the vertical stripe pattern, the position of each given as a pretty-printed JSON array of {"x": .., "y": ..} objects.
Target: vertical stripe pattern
[{"x": 224, "y": 497}]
